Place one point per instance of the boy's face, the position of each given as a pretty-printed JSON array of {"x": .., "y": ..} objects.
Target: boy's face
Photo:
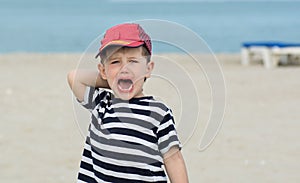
[{"x": 125, "y": 71}]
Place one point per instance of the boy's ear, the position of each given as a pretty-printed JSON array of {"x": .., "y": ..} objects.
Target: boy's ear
[
  {"x": 101, "y": 69},
  {"x": 150, "y": 66}
]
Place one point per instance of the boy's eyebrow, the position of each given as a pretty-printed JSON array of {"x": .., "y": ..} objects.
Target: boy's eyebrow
[
  {"x": 131, "y": 57},
  {"x": 113, "y": 57}
]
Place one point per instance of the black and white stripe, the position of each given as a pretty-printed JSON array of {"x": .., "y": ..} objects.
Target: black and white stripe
[{"x": 126, "y": 139}]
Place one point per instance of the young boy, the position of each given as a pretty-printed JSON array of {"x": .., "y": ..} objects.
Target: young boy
[{"x": 131, "y": 136}]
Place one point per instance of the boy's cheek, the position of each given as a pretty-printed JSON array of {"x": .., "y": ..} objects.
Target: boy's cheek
[{"x": 141, "y": 75}]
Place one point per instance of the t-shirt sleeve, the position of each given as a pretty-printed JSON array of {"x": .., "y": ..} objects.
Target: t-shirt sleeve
[
  {"x": 87, "y": 98},
  {"x": 93, "y": 96},
  {"x": 166, "y": 134}
]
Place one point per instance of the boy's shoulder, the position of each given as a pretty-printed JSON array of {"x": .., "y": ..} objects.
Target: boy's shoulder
[{"x": 154, "y": 104}]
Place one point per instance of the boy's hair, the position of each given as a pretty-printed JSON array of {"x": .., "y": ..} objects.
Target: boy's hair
[{"x": 106, "y": 53}]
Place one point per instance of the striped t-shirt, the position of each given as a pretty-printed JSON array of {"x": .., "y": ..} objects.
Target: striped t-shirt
[{"x": 126, "y": 139}]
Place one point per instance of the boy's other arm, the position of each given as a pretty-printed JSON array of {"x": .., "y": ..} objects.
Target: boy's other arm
[
  {"x": 175, "y": 166},
  {"x": 79, "y": 79}
]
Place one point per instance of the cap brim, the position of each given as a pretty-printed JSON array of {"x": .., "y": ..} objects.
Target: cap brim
[{"x": 122, "y": 43}]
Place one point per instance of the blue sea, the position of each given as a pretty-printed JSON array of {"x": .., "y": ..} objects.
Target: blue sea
[{"x": 70, "y": 26}]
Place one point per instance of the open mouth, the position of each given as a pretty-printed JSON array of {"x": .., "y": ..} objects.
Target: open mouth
[{"x": 125, "y": 85}]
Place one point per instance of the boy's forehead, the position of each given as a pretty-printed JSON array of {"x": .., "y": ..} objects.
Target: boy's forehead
[{"x": 116, "y": 52}]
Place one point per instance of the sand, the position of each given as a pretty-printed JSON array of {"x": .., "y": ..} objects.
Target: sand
[{"x": 40, "y": 140}]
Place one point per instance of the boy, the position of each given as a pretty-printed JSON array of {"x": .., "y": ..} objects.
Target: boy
[{"x": 131, "y": 136}]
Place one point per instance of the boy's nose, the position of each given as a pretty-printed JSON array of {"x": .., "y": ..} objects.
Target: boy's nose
[{"x": 124, "y": 68}]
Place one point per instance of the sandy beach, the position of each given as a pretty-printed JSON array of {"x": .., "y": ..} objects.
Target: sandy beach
[{"x": 40, "y": 140}]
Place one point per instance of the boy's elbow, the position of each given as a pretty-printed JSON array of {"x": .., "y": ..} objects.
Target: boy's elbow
[{"x": 70, "y": 77}]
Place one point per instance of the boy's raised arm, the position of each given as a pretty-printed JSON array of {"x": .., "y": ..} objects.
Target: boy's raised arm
[{"x": 79, "y": 79}]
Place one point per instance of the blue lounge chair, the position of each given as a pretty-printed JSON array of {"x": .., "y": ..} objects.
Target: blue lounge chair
[{"x": 270, "y": 51}]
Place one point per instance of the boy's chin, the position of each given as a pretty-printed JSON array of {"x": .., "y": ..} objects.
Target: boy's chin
[
  {"x": 127, "y": 96},
  {"x": 123, "y": 95}
]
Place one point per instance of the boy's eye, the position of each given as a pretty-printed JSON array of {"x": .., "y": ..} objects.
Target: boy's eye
[
  {"x": 133, "y": 61},
  {"x": 114, "y": 62}
]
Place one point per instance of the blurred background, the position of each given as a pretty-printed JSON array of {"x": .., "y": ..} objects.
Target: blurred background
[
  {"x": 63, "y": 26},
  {"x": 42, "y": 40}
]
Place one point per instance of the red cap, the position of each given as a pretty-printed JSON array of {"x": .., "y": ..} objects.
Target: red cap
[{"x": 127, "y": 34}]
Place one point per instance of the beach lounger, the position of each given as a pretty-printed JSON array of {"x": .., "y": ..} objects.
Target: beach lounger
[{"x": 270, "y": 52}]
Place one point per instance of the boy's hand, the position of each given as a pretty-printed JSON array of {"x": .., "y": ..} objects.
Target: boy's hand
[
  {"x": 175, "y": 166},
  {"x": 79, "y": 79}
]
